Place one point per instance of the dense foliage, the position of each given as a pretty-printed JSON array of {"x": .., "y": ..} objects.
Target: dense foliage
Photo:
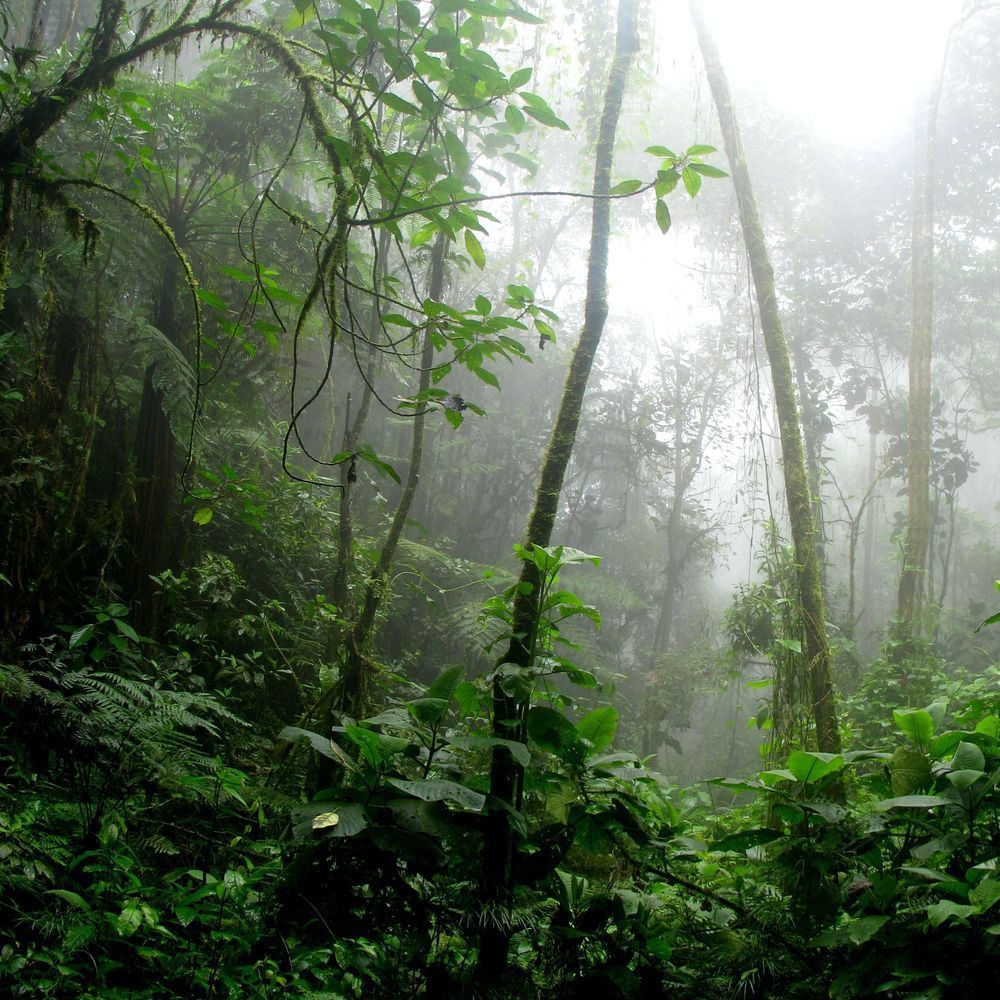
[{"x": 284, "y": 296}]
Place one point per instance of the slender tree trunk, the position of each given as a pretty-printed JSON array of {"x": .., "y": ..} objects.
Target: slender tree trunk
[
  {"x": 800, "y": 514},
  {"x": 352, "y": 694},
  {"x": 918, "y": 451},
  {"x": 352, "y": 435},
  {"x": 812, "y": 440},
  {"x": 505, "y": 774},
  {"x": 866, "y": 616}
]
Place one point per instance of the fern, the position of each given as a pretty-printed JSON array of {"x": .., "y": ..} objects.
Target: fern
[{"x": 172, "y": 374}]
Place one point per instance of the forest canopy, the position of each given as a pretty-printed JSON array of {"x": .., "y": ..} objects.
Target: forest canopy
[{"x": 498, "y": 498}]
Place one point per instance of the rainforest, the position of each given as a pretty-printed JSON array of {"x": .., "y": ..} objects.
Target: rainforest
[{"x": 498, "y": 499}]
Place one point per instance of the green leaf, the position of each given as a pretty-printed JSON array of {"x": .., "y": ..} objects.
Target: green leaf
[
  {"x": 856, "y": 931},
  {"x": 350, "y": 819},
  {"x": 519, "y": 77},
  {"x": 73, "y": 898},
  {"x": 211, "y": 299},
  {"x": 446, "y": 683},
  {"x": 467, "y": 699},
  {"x": 440, "y": 790},
  {"x": 909, "y": 770},
  {"x": 515, "y": 119},
  {"x": 794, "y": 645},
  {"x": 543, "y": 114},
  {"x": 130, "y": 919},
  {"x": 663, "y": 219},
  {"x": 599, "y": 727},
  {"x": 912, "y": 802},
  {"x": 692, "y": 181},
  {"x": 81, "y": 635},
  {"x": 916, "y": 723},
  {"x": 964, "y": 779},
  {"x": 551, "y": 730},
  {"x": 990, "y": 726},
  {"x": 483, "y": 305},
  {"x": 625, "y": 187},
  {"x": 986, "y": 894},
  {"x": 518, "y": 751},
  {"x": 707, "y": 170},
  {"x": 203, "y": 515},
  {"x": 475, "y": 249},
  {"x": 699, "y": 150},
  {"x": 396, "y": 103},
  {"x": 810, "y": 766},
  {"x": 968, "y": 757},
  {"x": 126, "y": 629},
  {"x": 947, "y": 909},
  {"x": 428, "y": 711},
  {"x": 738, "y": 843},
  {"x": 662, "y": 151}
]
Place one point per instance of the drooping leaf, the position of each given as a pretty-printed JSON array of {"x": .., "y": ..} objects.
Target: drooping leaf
[
  {"x": 475, "y": 249},
  {"x": 810, "y": 766},
  {"x": 740, "y": 842},
  {"x": 441, "y": 790},
  {"x": 663, "y": 220},
  {"x": 518, "y": 751}
]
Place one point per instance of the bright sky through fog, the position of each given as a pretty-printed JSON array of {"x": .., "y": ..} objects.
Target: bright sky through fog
[{"x": 852, "y": 68}]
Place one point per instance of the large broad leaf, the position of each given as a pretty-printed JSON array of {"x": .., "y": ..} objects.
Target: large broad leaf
[
  {"x": 916, "y": 723},
  {"x": 429, "y": 711},
  {"x": 810, "y": 766},
  {"x": 551, "y": 730},
  {"x": 964, "y": 779},
  {"x": 518, "y": 751},
  {"x": 332, "y": 818},
  {"x": 912, "y": 802},
  {"x": 946, "y": 909},
  {"x": 855, "y": 931},
  {"x": 990, "y": 726},
  {"x": 968, "y": 757},
  {"x": 986, "y": 894},
  {"x": 741, "y": 842},
  {"x": 909, "y": 770},
  {"x": 440, "y": 790},
  {"x": 599, "y": 727},
  {"x": 446, "y": 682}
]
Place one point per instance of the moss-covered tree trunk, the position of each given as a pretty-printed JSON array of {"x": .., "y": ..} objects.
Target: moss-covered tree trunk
[
  {"x": 799, "y": 499},
  {"x": 508, "y": 712},
  {"x": 912, "y": 579}
]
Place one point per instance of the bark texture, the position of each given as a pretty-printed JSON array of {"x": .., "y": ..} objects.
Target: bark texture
[
  {"x": 508, "y": 714},
  {"x": 798, "y": 495}
]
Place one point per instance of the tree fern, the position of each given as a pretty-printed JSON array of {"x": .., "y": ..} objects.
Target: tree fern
[{"x": 172, "y": 374}]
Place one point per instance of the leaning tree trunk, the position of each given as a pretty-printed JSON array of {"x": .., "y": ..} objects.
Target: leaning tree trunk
[
  {"x": 352, "y": 693},
  {"x": 505, "y": 774},
  {"x": 800, "y": 514}
]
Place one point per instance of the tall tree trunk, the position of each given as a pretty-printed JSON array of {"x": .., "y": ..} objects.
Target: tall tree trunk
[
  {"x": 153, "y": 538},
  {"x": 800, "y": 515},
  {"x": 866, "y": 617},
  {"x": 912, "y": 580},
  {"x": 505, "y": 774}
]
